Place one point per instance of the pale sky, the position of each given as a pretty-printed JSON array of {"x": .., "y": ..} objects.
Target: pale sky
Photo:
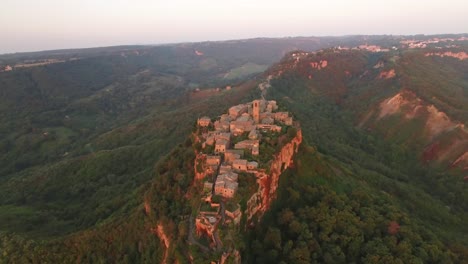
[{"x": 31, "y": 25}]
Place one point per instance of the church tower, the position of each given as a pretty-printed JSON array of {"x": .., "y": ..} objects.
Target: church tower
[{"x": 256, "y": 111}]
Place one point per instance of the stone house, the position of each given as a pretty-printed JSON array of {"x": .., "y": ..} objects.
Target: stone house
[
  {"x": 213, "y": 160},
  {"x": 245, "y": 144},
  {"x": 226, "y": 184},
  {"x": 222, "y": 126},
  {"x": 216, "y": 135},
  {"x": 223, "y": 135},
  {"x": 273, "y": 128},
  {"x": 268, "y": 120},
  {"x": 271, "y": 106},
  {"x": 237, "y": 110},
  {"x": 239, "y": 127},
  {"x": 281, "y": 115},
  {"x": 239, "y": 164},
  {"x": 221, "y": 146},
  {"x": 223, "y": 169},
  {"x": 204, "y": 121},
  {"x": 253, "y": 165},
  {"x": 225, "y": 117},
  {"x": 252, "y": 145},
  {"x": 230, "y": 156}
]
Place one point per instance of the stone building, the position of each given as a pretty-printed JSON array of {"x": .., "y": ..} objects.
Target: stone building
[
  {"x": 225, "y": 169},
  {"x": 237, "y": 110},
  {"x": 265, "y": 127},
  {"x": 256, "y": 111},
  {"x": 284, "y": 118},
  {"x": 230, "y": 155},
  {"x": 219, "y": 135},
  {"x": 240, "y": 126},
  {"x": 240, "y": 164},
  {"x": 226, "y": 184},
  {"x": 268, "y": 120},
  {"x": 248, "y": 144},
  {"x": 204, "y": 121},
  {"x": 222, "y": 126},
  {"x": 252, "y": 165},
  {"x": 221, "y": 146},
  {"x": 271, "y": 106},
  {"x": 213, "y": 160}
]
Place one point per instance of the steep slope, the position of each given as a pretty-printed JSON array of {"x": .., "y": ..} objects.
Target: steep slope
[
  {"x": 353, "y": 180},
  {"x": 412, "y": 97},
  {"x": 327, "y": 213}
]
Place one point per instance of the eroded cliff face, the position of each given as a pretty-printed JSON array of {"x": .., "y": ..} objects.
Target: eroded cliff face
[
  {"x": 159, "y": 231},
  {"x": 457, "y": 55},
  {"x": 387, "y": 74},
  {"x": 408, "y": 104},
  {"x": 268, "y": 182},
  {"x": 445, "y": 139}
]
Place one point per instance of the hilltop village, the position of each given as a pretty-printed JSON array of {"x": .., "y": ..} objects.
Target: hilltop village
[{"x": 231, "y": 145}]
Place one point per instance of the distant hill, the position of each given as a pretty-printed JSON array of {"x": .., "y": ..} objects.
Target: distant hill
[{"x": 415, "y": 97}]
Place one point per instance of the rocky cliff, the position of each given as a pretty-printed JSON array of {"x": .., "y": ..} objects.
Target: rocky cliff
[
  {"x": 457, "y": 55},
  {"x": 445, "y": 139},
  {"x": 268, "y": 181}
]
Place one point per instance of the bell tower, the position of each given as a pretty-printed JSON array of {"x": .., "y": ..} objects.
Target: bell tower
[{"x": 256, "y": 111}]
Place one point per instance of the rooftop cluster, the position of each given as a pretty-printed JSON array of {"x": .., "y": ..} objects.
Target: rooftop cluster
[{"x": 229, "y": 141}]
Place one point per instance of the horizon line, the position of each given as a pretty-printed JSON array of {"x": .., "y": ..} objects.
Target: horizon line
[{"x": 217, "y": 40}]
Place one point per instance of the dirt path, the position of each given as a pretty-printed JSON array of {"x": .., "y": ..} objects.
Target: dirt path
[{"x": 192, "y": 239}]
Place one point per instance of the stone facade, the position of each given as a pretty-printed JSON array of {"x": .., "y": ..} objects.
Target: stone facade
[
  {"x": 252, "y": 145},
  {"x": 221, "y": 146},
  {"x": 213, "y": 160},
  {"x": 256, "y": 111},
  {"x": 237, "y": 110},
  {"x": 239, "y": 164},
  {"x": 204, "y": 121},
  {"x": 226, "y": 184}
]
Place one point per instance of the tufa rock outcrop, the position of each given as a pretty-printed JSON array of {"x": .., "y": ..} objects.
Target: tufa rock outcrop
[{"x": 260, "y": 202}]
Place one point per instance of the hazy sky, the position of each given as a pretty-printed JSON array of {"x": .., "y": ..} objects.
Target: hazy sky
[{"x": 29, "y": 25}]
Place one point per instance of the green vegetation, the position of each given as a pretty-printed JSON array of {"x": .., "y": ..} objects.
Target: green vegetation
[
  {"x": 390, "y": 182},
  {"x": 87, "y": 172},
  {"x": 76, "y": 160},
  {"x": 245, "y": 70},
  {"x": 326, "y": 217},
  {"x": 247, "y": 187}
]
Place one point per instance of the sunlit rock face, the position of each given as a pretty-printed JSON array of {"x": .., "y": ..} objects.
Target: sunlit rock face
[{"x": 260, "y": 202}]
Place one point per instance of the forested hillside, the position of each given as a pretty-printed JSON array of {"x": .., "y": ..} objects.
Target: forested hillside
[
  {"x": 96, "y": 153},
  {"x": 355, "y": 197}
]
